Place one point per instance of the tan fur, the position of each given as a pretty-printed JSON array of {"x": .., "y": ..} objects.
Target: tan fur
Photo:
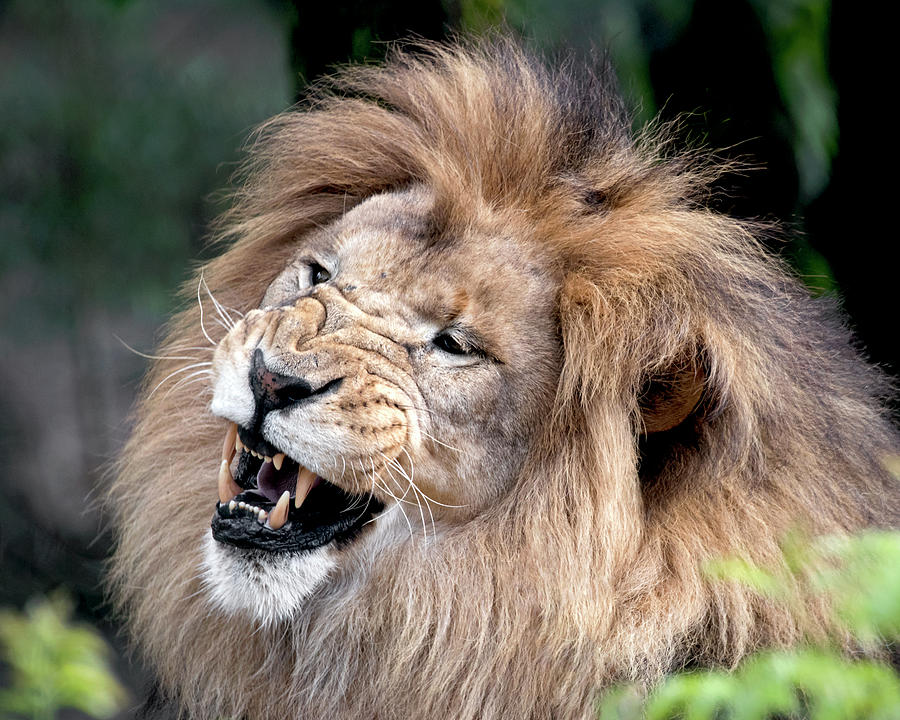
[{"x": 588, "y": 260}]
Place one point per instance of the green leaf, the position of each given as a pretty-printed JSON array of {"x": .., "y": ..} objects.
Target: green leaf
[{"x": 55, "y": 663}]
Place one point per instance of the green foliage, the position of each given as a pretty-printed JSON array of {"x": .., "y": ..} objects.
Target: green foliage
[
  {"x": 116, "y": 123},
  {"x": 811, "y": 683},
  {"x": 858, "y": 577},
  {"x": 55, "y": 664},
  {"x": 797, "y": 31},
  {"x": 478, "y": 15}
]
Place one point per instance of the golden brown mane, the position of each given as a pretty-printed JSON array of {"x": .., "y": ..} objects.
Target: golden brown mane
[{"x": 590, "y": 571}]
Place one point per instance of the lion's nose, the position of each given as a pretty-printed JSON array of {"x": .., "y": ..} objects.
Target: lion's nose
[{"x": 274, "y": 391}]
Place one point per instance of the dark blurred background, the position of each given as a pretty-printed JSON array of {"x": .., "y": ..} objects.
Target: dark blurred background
[{"x": 121, "y": 119}]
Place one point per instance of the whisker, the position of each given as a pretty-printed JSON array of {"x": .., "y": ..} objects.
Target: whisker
[
  {"x": 200, "y": 303},
  {"x": 186, "y": 378},
  {"x": 177, "y": 372},
  {"x": 356, "y": 483},
  {"x": 180, "y": 348},
  {"x": 221, "y": 310},
  {"x": 439, "y": 442},
  {"x": 156, "y": 357},
  {"x": 416, "y": 407},
  {"x": 417, "y": 492},
  {"x": 430, "y": 499},
  {"x": 387, "y": 490},
  {"x": 410, "y": 485}
]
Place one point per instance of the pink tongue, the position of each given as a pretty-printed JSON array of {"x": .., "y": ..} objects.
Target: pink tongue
[{"x": 272, "y": 483}]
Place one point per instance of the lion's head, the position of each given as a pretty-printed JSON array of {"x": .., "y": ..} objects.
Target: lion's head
[{"x": 478, "y": 385}]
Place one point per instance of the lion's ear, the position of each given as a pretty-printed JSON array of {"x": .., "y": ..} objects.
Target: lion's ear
[{"x": 669, "y": 398}]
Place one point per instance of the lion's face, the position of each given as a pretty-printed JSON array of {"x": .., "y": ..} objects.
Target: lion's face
[{"x": 382, "y": 391}]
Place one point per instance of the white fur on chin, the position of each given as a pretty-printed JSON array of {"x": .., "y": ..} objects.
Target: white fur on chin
[{"x": 263, "y": 586}]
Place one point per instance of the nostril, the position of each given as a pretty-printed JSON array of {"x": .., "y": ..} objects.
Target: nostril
[
  {"x": 300, "y": 390},
  {"x": 274, "y": 391},
  {"x": 293, "y": 392}
]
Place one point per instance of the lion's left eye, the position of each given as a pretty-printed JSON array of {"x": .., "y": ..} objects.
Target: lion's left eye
[{"x": 318, "y": 274}]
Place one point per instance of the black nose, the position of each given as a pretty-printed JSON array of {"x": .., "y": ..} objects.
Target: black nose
[{"x": 274, "y": 391}]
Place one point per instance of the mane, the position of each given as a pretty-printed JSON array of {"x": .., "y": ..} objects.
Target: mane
[{"x": 590, "y": 570}]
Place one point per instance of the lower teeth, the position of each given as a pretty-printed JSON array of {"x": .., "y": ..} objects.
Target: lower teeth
[{"x": 247, "y": 510}]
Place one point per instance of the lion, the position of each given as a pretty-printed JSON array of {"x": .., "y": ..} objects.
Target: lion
[{"x": 476, "y": 388}]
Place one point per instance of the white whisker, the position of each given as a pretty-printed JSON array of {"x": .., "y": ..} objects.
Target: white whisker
[
  {"x": 430, "y": 499},
  {"x": 439, "y": 442},
  {"x": 222, "y": 312},
  {"x": 177, "y": 372},
  {"x": 397, "y": 504},
  {"x": 200, "y": 303},
  {"x": 186, "y": 378},
  {"x": 157, "y": 357},
  {"x": 412, "y": 487},
  {"x": 356, "y": 483}
]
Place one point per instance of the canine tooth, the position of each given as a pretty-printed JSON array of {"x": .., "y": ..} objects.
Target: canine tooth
[
  {"x": 305, "y": 479},
  {"x": 228, "y": 488},
  {"x": 278, "y": 516},
  {"x": 278, "y": 460},
  {"x": 266, "y": 458},
  {"x": 238, "y": 445},
  {"x": 230, "y": 446}
]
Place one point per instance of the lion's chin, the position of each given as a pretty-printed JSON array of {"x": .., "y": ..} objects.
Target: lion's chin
[{"x": 265, "y": 587}]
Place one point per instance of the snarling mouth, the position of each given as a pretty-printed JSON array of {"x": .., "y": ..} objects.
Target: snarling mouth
[{"x": 273, "y": 503}]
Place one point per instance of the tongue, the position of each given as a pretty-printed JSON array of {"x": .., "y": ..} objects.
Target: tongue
[{"x": 272, "y": 483}]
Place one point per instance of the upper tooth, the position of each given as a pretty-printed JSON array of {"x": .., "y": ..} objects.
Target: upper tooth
[
  {"x": 305, "y": 479},
  {"x": 238, "y": 445},
  {"x": 278, "y": 460},
  {"x": 278, "y": 515},
  {"x": 228, "y": 488},
  {"x": 266, "y": 458},
  {"x": 229, "y": 449}
]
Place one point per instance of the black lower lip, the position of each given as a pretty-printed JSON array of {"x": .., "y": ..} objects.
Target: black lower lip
[{"x": 328, "y": 515}]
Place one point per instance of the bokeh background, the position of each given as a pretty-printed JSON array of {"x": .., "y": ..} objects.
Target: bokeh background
[{"x": 121, "y": 122}]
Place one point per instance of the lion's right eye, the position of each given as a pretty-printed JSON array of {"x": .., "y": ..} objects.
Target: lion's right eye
[
  {"x": 449, "y": 344},
  {"x": 318, "y": 274}
]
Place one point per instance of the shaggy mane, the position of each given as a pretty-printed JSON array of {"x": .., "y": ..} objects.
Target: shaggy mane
[{"x": 590, "y": 572}]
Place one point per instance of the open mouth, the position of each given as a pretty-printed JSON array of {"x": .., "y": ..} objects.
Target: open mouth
[{"x": 275, "y": 504}]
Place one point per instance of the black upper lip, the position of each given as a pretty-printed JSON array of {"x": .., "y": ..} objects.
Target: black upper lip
[{"x": 256, "y": 442}]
